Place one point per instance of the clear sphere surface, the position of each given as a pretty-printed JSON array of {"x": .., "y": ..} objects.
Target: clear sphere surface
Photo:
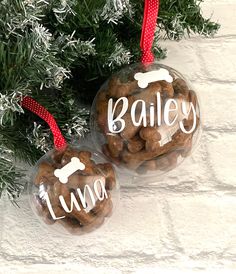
[
  {"x": 73, "y": 191},
  {"x": 146, "y": 119}
]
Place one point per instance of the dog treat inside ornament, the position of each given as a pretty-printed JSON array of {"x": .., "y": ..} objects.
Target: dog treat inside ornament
[
  {"x": 146, "y": 119},
  {"x": 73, "y": 189}
]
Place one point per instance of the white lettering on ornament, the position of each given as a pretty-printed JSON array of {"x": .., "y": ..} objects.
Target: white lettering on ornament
[
  {"x": 173, "y": 112},
  {"x": 87, "y": 197}
]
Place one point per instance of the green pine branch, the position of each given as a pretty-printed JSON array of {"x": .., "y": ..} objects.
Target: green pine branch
[{"x": 11, "y": 176}]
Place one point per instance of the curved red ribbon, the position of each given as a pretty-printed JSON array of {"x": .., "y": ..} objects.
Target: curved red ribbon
[{"x": 30, "y": 104}]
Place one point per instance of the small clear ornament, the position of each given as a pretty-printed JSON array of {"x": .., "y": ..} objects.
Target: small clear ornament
[
  {"x": 146, "y": 119},
  {"x": 73, "y": 190}
]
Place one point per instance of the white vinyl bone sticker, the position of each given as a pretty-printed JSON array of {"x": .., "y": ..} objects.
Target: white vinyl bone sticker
[
  {"x": 65, "y": 172},
  {"x": 144, "y": 78}
]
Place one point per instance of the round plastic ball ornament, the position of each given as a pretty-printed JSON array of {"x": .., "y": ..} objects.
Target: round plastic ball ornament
[
  {"x": 73, "y": 190},
  {"x": 146, "y": 119}
]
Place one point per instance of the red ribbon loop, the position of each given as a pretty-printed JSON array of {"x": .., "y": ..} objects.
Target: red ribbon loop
[
  {"x": 148, "y": 29},
  {"x": 30, "y": 104}
]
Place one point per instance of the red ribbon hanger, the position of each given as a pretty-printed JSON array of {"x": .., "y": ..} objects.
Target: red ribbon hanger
[
  {"x": 30, "y": 104},
  {"x": 151, "y": 9}
]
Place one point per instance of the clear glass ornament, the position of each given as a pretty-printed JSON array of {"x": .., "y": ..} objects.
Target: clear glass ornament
[
  {"x": 146, "y": 119},
  {"x": 73, "y": 190}
]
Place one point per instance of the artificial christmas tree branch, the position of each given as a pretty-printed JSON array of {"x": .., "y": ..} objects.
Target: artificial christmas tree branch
[
  {"x": 59, "y": 52},
  {"x": 11, "y": 176}
]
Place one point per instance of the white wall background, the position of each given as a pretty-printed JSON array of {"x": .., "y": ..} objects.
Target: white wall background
[{"x": 188, "y": 220}]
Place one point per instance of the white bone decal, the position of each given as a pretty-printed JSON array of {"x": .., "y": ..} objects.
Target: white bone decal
[
  {"x": 64, "y": 173},
  {"x": 144, "y": 78}
]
